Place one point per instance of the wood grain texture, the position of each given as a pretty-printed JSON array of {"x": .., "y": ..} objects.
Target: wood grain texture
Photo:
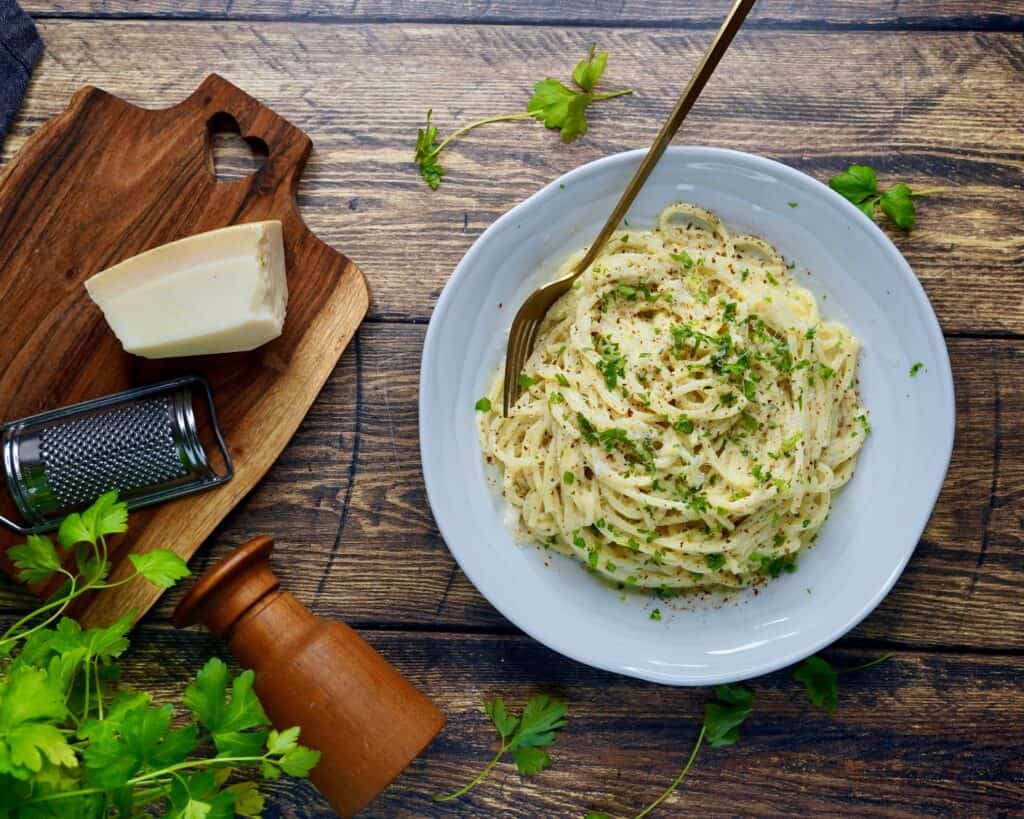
[
  {"x": 976, "y": 14},
  {"x": 938, "y": 110},
  {"x": 932, "y": 733},
  {"x": 104, "y": 181},
  {"x": 920, "y": 735},
  {"x": 349, "y": 510}
]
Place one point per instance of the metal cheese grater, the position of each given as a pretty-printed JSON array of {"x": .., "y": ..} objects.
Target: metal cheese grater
[{"x": 143, "y": 442}]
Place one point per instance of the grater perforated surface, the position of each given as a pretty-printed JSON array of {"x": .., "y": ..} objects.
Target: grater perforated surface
[{"x": 126, "y": 447}]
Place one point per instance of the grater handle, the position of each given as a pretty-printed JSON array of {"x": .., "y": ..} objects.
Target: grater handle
[{"x": 16, "y": 527}]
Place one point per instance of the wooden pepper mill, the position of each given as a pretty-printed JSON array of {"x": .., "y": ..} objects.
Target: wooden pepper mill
[{"x": 365, "y": 718}]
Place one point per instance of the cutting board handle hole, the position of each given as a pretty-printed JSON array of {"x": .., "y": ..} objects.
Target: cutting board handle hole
[{"x": 233, "y": 156}]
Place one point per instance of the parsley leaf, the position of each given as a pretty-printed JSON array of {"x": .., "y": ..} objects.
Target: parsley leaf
[
  {"x": 559, "y": 107},
  {"x": 107, "y": 516},
  {"x": 898, "y": 206},
  {"x": 143, "y": 740},
  {"x": 36, "y": 560},
  {"x": 232, "y": 722},
  {"x": 523, "y": 737},
  {"x": 859, "y": 185},
  {"x": 426, "y": 154},
  {"x": 161, "y": 567},
  {"x": 821, "y": 679},
  {"x": 30, "y": 699},
  {"x": 724, "y": 715},
  {"x": 483, "y": 405},
  {"x": 856, "y": 183},
  {"x": 589, "y": 71}
]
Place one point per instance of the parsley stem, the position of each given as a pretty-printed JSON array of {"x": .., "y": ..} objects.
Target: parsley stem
[
  {"x": 475, "y": 781},
  {"x": 148, "y": 777},
  {"x": 862, "y": 666},
  {"x": 99, "y": 689},
  {"x": 12, "y": 635},
  {"x": 675, "y": 784},
  {"x": 465, "y": 129},
  {"x": 927, "y": 192},
  {"x": 613, "y": 94}
]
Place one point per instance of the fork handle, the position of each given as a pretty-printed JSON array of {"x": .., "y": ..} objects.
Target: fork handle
[{"x": 699, "y": 79}]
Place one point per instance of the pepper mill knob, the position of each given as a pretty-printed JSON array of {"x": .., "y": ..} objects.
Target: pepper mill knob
[{"x": 366, "y": 719}]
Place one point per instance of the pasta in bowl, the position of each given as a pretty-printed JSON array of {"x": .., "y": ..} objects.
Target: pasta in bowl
[
  {"x": 687, "y": 414},
  {"x": 839, "y": 279}
]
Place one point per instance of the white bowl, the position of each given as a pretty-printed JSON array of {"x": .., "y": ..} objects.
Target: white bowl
[{"x": 859, "y": 277}]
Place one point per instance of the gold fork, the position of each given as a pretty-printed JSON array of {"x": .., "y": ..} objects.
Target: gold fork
[{"x": 531, "y": 315}]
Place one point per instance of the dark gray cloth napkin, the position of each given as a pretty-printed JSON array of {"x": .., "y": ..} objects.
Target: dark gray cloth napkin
[{"x": 20, "y": 47}]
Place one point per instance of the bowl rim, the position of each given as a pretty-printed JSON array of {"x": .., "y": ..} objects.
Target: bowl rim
[{"x": 941, "y": 368}]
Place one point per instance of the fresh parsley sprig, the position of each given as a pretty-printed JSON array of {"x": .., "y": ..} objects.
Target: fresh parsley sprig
[
  {"x": 82, "y": 540},
  {"x": 524, "y": 737},
  {"x": 821, "y": 679},
  {"x": 723, "y": 716},
  {"x": 558, "y": 106},
  {"x": 74, "y": 744},
  {"x": 859, "y": 184}
]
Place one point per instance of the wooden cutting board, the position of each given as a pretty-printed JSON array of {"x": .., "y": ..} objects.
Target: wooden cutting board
[{"x": 106, "y": 180}]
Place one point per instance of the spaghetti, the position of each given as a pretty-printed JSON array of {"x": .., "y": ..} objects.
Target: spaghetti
[{"x": 686, "y": 413}]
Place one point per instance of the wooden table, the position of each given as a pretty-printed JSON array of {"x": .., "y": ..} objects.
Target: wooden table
[{"x": 929, "y": 93}]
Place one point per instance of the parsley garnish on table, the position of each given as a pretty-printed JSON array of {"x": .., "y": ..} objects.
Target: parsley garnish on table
[
  {"x": 821, "y": 679},
  {"x": 73, "y": 743},
  {"x": 859, "y": 185},
  {"x": 558, "y": 106},
  {"x": 524, "y": 737},
  {"x": 723, "y": 716}
]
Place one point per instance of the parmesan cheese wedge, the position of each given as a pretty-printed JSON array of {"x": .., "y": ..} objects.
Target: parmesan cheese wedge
[{"x": 224, "y": 291}]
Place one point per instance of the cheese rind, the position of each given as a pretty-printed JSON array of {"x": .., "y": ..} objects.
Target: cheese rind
[{"x": 224, "y": 291}]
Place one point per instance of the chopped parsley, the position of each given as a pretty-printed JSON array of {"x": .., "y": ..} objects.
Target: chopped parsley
[
  {"x": 586, "y": 428},
  {"x": 775, "y": 566},
  {"x": 656, "y": 614},
  {"x": 483, "y": 405},
  {"x": 612, "y": 365},
  {"x": 525, "y": 381},
  {"x": 918, "y": 366},
  {"x": 684, "y": 425},
  {"x": 568, "y": 478},
  {"x": 715, "y": 560},
  {"x": 562, "y": 380},
  {"x": 683, "y": 258},
  {"x": 790, "y": 442},
  {"x": 760, "y": 475}
]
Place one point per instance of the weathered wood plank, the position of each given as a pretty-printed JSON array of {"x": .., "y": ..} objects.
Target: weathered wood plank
[
  {"x": 937, "y": 110},
  {"x": 359, "y": 542},
  {"x": 958, "y": 590},
  {"x": 909, "y": 737},
  {"x": 976, "y": 14}
]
